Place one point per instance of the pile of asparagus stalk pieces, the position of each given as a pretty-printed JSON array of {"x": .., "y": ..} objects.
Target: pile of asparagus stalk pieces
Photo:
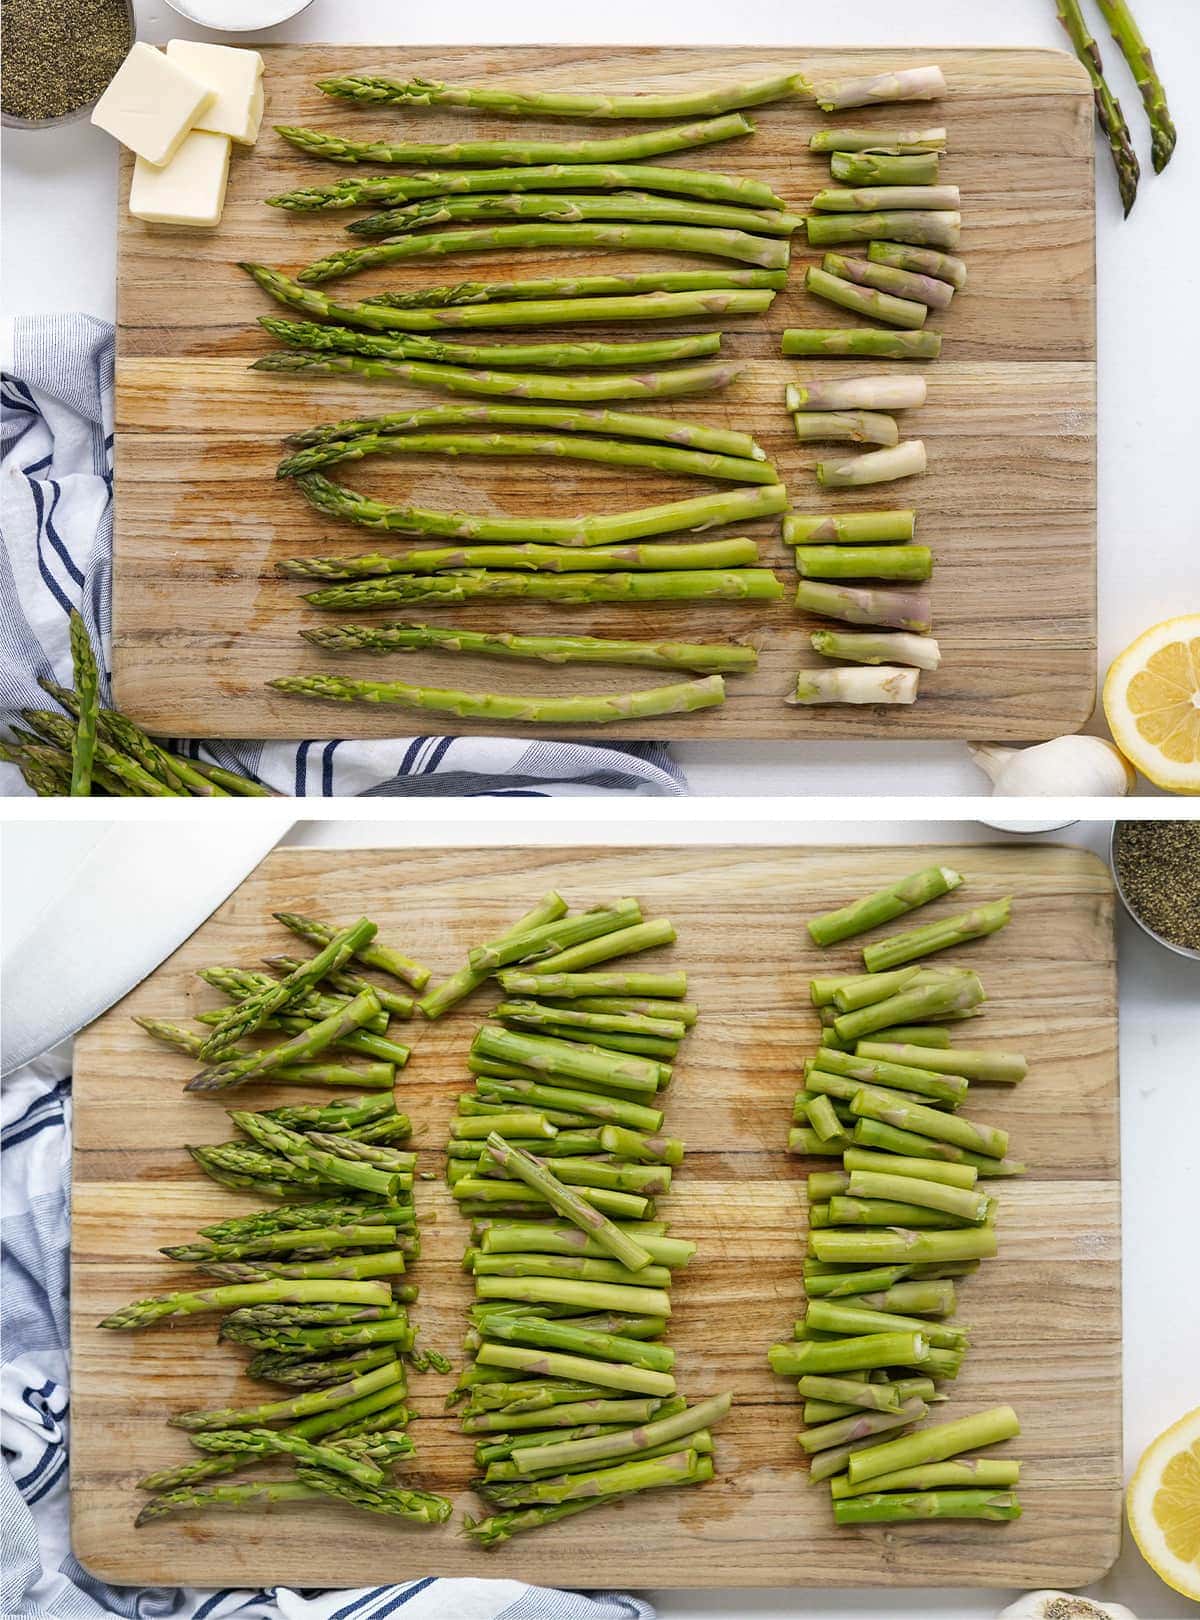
[
  {"x": 314, "y": 1284},
  {"x": 863, "y": 567},
  {"x": 558, "y": 1157},
  {"x": 557, "y": 195},
  {"x": 904, "y": 1217}
]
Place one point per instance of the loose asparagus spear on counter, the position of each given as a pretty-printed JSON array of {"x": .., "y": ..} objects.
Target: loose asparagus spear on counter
[
  {"x": 848, "y": 528},
  {"x": 1007, "y": 1068},
  {"x": 864, "y": 562},
  {"x": 905, "y": 460},
  {"x": 915, "y": 1506},
  {"x": 1136, "y": 52},
  {"x": 1108, "y": 108},
  {"x": 248, "y": 1015},
  {"x": 882, "y": 199},
  {"x": 691, "y": 558},
  {"x": 885, "y": 905},
  {"x": 374, "y": 88},
  {"x": 611, "y": 149},
  {"x": 939, "y": 936},
  {"x": 857, "y": 393}
]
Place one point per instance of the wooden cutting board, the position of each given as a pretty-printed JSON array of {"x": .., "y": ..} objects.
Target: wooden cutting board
[
  {"x": 203, "y": 621},
  {"x": 1045, "y": 1316}
]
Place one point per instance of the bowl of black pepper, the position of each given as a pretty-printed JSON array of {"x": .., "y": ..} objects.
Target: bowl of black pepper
[
  {"x": 1156, "y": 865},
  {"x": 58, "y": 58}
]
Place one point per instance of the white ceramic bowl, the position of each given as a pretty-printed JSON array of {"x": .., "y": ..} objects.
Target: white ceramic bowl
[{"x": 257, "y": 14}]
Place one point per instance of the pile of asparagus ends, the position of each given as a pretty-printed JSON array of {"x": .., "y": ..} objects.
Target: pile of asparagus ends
[
  {"x": 315, "y": 1284},
  {"x": 558, "y": 1156},
  {"x": 905, "y": 1215},
  {"x": 81, "y": 749}
]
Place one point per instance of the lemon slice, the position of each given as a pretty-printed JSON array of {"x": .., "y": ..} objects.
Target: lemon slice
[
  {"x": 1152, "y": 702},
  {"x": 1163, "y": 1503}
]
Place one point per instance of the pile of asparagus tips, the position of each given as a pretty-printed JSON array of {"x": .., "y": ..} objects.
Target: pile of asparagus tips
[
  {"x": 83, "y": 749},
  {"x": 905, "y": 1216},
  {"x": 558, "y": 1156},
  {"x": 315, "y": 1284},
  {"x": 862, "y": 567}
]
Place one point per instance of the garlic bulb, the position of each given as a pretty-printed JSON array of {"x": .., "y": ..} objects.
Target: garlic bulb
[
  {"x": 1065, "y": 768},
  {"x": 1063, "y": 1606}
]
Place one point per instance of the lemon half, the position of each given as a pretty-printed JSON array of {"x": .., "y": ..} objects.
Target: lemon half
[
  {"x": 1163, "y": 1504},
  {"x": 1152, "y": 703}
]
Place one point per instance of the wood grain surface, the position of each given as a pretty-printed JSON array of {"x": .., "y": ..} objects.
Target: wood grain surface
[
  {"x": 203, "y": 620},
  {"x": 1044, "y": 1317}
]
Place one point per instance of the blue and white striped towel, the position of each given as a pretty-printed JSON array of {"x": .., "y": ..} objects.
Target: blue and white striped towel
[
  {"x": 56, "y": 553},
  {"x": 42, "y": 1580}
]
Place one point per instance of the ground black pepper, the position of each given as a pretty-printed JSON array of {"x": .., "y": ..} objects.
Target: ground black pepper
[
  {"x": 59, "y": 55},
  {"x": 1158, "y": 868}
]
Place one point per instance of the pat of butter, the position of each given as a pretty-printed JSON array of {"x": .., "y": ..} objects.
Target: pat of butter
[
  {"x": 190, "y": 190},
  {"x": 234, "y": 77},
  {"x": 151, "y": 104}
]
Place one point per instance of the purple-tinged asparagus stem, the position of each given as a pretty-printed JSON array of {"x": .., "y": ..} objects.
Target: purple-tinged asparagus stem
[
  {"x": 877, "y": 467},
  {"x": 881, "y": 685},
  {"x": 847, "y": 528},
  {"x": 874, "y": 199},
  {"x": 880, "y": 306},
  {"x": 856, "y": 604},
  {"x": 885, "y": 393},
  {"x": 921, "y": 261},
  {"x": 929, "y": 227},
  {"x": 920, "y": 289},
  {"x": 922, "y": 652},
  {"x": 851, "y": 427}
]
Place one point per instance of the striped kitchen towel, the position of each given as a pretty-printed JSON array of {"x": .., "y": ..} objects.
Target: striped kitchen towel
[
  {"x": 56, "y": 553},
  {"x": 42, "y": 1579}
]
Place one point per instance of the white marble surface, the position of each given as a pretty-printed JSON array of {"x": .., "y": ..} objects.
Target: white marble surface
[
  {"x": 1160, "y": 1126},
  {"x": 58, "y": 254}
]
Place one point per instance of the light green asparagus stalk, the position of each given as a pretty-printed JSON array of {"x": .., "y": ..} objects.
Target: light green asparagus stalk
[
  {"x": 390, "y": 190},
  {"x": 924, "y": 998},
  {"x": 569, "y": 1204},
  {"x": 572, "y": 207},
  {"x": 310, "y": 1404},
  {"x": 876, "y": 199},
  {"x": 600, "y": 709},
  {"x": 1136, "y": 52},
  {"x": 922, "y": 652},
  {"x": 938, "y": 228},
  {"x": 967, "y": 1205},
  {"x": 249, "y": 1015},
  {"x": 796, "y": 1358},
  {"x": 536, "y": 1014},
  {"x": 567, "y": 1416},
  {"x": 371, "y": 89},
  {"x": 871, "y": 1133},
  {"x": 855, "y": 427},
  {"x": 573, "y": 986},
  {"x": 938, "y": 1443},
  {"x": 110, "y": 765},
  {"x": 891, "y": 1164},
  {"x": 727, "y": 506},
  {"x": 569, "y": 1455},
  {"x": 566, "y": 1336},
  {"x": 942, "y": 1127},
  {"x": 858, "y": 1425},
  {"x": 967, "y": 1471},
  {"x": 144, "y": 1313},
  {"x": 556, "y": 1364},
  {"x": 848, "y": 528},
  {"x": 680, "y": 1468},
  {"x": 885, "y": 169},
  {"x": 648, "y": 556},
  {"x": 247, "y": 1444},
  {"x": 905, "y": 460},
  {"x": 943, "y": 935},
  {"x": 498, "y": 1528},
  {"x": 876, "y": 393},
  {"x": 564, "y": 1238},
  {"x": 575, "y": 590},
  {"x": 571, "y": 1060},
  {"x": 914, "y": 1506},
  {"x": 618, "y": 284},
  {"x": 847, "y": 991},
  {"x": 769, "y": 253},
  {"x": 882, "y": 685},
  {"x": 944, "y": 1085},
  {"x": 899, "y": 283},
  {"x": 859, "y": 340},
  {"x": 880, "y": 306},
  {"x": 919, "y": 261},
  {"x": 309, "y": 1239},
  {"x": 1006, "y": 1068},
  {"x": 373, "y": 1076},
  {"x": 906, "y": 895},
  {"x": 890, "y": 142},
  {"x": 1108, "y": 108},
  {"x": 616, "y": 149},
  {"x": 728, "y": 299},
  {"x": 188, "y": 1499},
  {"x": 311, "y": 1040},
  {"x": 852, "y": 1392},
  {"x": 549, "y": 909},
  {"x": 299, "y": 1150},
  {"x": 905, "y": 84},
  {"x": 864, "y": 562},
  {"x": 900, "y": 1246},
  {"x": 608, "y": 1110}
]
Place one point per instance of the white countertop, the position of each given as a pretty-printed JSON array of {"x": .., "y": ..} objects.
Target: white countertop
[
  {"x": 59, "y": 248},
  {"x": 1160, "y": 1126}
]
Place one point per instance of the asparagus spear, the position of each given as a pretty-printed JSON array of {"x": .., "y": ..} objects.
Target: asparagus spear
[
  {"x": 1136, "y": 52},
  {"x": 569, "y": 1454},
  {"x": 906, "y": 84},
  {"x": 238, "y": 983},
  {"x": 859, "y": 427},
  {"x": 573, "y": 589},
  {"x": 310, "y": 1240},
  {"x": 627, "y": 1250},
  {"x": 704, "y": 103},
  {"x": 390, "y": 1262},
  {"x": 298, "y": 1149},
  {"x": 555, "y": 1364},
  {"x": 903, "y": 1507},
  {"x": 582, "y": 1341},
  {"x": 939, "y": 936},
  {"x": 922, "y": 652},
  {"x": 567, "y": 1416},
  {"x": 246, "y": 1444},
  {"x": 795, "y": 1359},
  {"x": 348, "y": 1147},
  {"x": 311, "y": 1040},
  {"x": 903, "y": 609},
  {"x": 615, "y": 149},
  {"x": 973, "y": 1471},
  {"x": 602, "y": 986},
  {"x": 937, "y": 1443},
  {"x": 302, "y": 1342},
  {"x": 919, "y": 260},
  {"x": 841, "y": 1431},
  {"x": 420, "y": 1507},
  {"x": 559, "y": 418},
  {"x": 885, "y": 169},
  {"x": 925, "y": 998},
  {"x": 931, "y": 227},
  {"x": 864, "y": 300},
  {"x": 871, "y": 1133},
  {"x": 853, "y": 1392},
  {"x": 609, "y": 1110},
  {"x": 390, "y": 190},
  {"x": 966, "y": 1204},
  {"x": 649, "y": 305},
  {"x": 696, "y": 557},
  {"x": 144, "y": 1313},
  {"x": 374, "y": 1076},
  {"x": 549, "y": 909},
  {"x": 856, "y": 340},
  {"x": 310, "y": 1404},
  {"x": 573, "y": 447},
  {"x": 498, "y": 1528},
  {"x": 907, "y": 894},
  {"x": 849, "y": 528},
  {"x": 1007, "y": 1068},
  {"x": 874, "y": 199},
  {"x": 901, "y": 1245},
  {"x": 944, "y": 1085},
  {"x": 87, "y": 685},
  {"x": 727, "y": 506},
  {"x": 248, "y": 1015},
  {"x": 767, "y": 252},
  {"x": 167, "y": 768},
  {"x": 572, "y": 207},
  {"x": 115, "y": 766},
  {"x": 857, "y": 393},
  {"x": 882, "y": 685},
  {"x": 675, "y": 381},
  {"x": 890, "y": 142},
  {"x": 372, "y": 953},
  {"x": 189, "y": 1498},
  {"x": 536, "y": 1014},
  {"x": 885, "y": 278},
  {"x": 943, "y": 1127},
  {"x": 548, "y": 356},
  {"x": 1108, "y": 108},
  {"x": 680, "y": 1468},
  {"x": 864, "y": 562},
  {"x": 399, "y": 1006},
  {"x": 599, "y": 709}
]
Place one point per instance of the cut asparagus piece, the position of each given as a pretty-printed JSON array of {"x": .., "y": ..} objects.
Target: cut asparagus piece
[
  {"x": 796, "y": 1358},
  {"x": 922, "y": 652},
  {"x": 950, "y": 1175},
  {"x": 570, "y": 1454},
  {"x": 871, "y": 1133},
  {"x": 909, "y": 893},
  {"x": 905, "y": 84},
  {"x": 920, "y": 261},
  {"x": 938, "y": 1443},
  {"x": 623, "y": 1248},
  {"x": 967, "y": 1205},
  {"x": 145, "y": 1312},
  {"x": 969, "y": 1471},
  {"x": 855, "y": 1392},
  {"x": 890, "y": 142},
  {"x": 901, "y": 1246},
  {"x": 904, "y": 609},
  {"x": 938, "y": 228},
  {"x": 310, "y": 1404},
  {"x": 899, "y": 283},
  {"x": 885, "y": 168},
  {"x": 942, "y": 935},
  {"x": 913, "y": 1506},
  {"x": 857, "y": 427},
  {"x": 642, "y": 936},
  {"x": 857, "y": 393},
  {"x": 848, "y": 528},
  {"x": 678, "y": 1468},
  {"x": 312, "y": 1039},
  {"x": 880, "y": 306},
  {"x": 549, "y": 909},
  {"x": 943, "y": 1085},
  {"x": 565, "y": 1238},
  {"x": 882, "y": 199},
  {"x": 583, "y": 1341},
  {"x": 556, "y": 1364},
  {"x": 858, "y": 989},
  {"x": 906, "y": 460},
  {"x": 942, "y": 1127},
  {"x": 925, "y": 998},
  {"x": 858, "y": 1425},
  {"x": 864, "y": 562},
  {"x": 882, "y": 685},
  {"x": 1007, "y": 1068},
  {"x": 570, "y": 986},
  {"x": 861, "y": 340}
]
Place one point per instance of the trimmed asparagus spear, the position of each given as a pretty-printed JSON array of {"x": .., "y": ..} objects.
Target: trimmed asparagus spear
[
  {"x": 144, "y": 1313},
  {"x": 938, "y": 1443},
  {"x": 858, "y": 989},
  {"x": 615, "y": 149},
  {"x": 373, "y": 1076},
  {"x": 372, "y": 953},
  {"x": 299, "y": 1150},
  {"x": 698, "y": 556},
  {"x": 679, "y": 1468},
  {"x": 769, "y": 253},
  {"x": 614, "y": 1110},
  {"x": 939, "y": 936},
  {"x": 564, "y": 1238},
  {"x": 918, "y": 889},
  {"x": 1136, "y": 52},
  {"x": 859, "y": 427},
  {"x": 882, "y": 685},
  {"x": 890, "y": 142},
  {"x": 942, "y": 1127},
  {"x": 944, "y": 1085},
  {"x": 389, "y": 190},
  {"x": 571, "y": 986},
  {"x": 871, "y": 1133},
  {"x": 938, "y": 228},
  {"x": 1108, "y": 108},
  {"x": 582, "y": 1341},
  {"x": 857, "y": 393},
  {"x": 253, "y": 1444},
  {"x": 730, "y": 657},
  {"x": 571, "y": 1205},
  {"x": 859, "y": 340},
  {"x": 976, "y": 1471},
  {"x": 555, "y": 1364},
  {"x": 967, "y": 1205},
  {"x": 919, "y": 260},
  {"x": 392, "y": 1002},
  {"x": 900, "y": 283},
  {"x": 570, "y": 1454},
  {"x": 87, "y": 686},
  {"x": 420, "y": 1507},
  {"x": 312, "y": 1039},
  {"x": 575, "y": 590},
  {"x": 860, "y": 1424},
  {"x": 308, "y": 1239},
  {"x": 950, "y": 1175},
  {"x": 498, "y": 1528},
  {"x": 926, "y": 998},
  {"x": 796, "y": 1358},
  {"x": 922, "y": 652},
  {"x": 912, "y": 1506},
  {"x": 572, "y": 207},
  {"x": 855, "y": 1392},
  {"x": 864, "y": 300},
  {"x": 187, "y": 1498},
  {"x": 849, "y": 528},
  {"x": 1007, "y": 1068},
  {"x": 885, "y": 169},
  {"x": 390, "y": 1262},
  {"x": 900, "y": 1246},
  {"x": 249, "y": 1015},
  {"x": 865, "y": 562},
  {"x": 535, "y": 1014},
  {"x": 729, "y": 299}
]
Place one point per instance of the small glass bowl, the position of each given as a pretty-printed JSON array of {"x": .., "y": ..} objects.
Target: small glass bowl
[
  {"x": 1160, "y": 939},
  {"x": 253, "y": 25},
  {"x": 10, "y": 121}
]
